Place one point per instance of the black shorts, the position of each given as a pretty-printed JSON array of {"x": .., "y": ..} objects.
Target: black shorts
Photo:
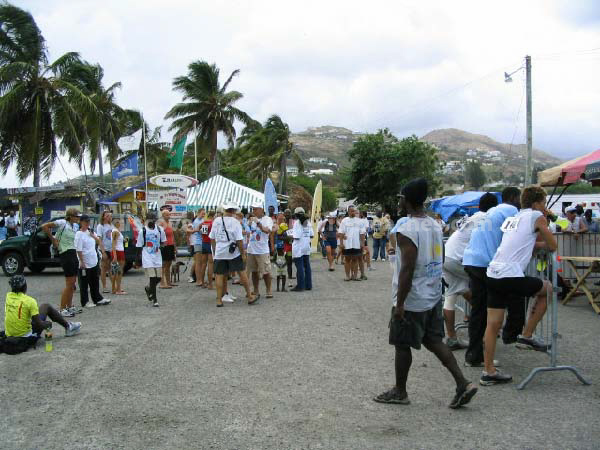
[
  {"x": 503, "y": 291},
  {"x": 417, "y": 328},
  {"x": 225, "y": 266},
  {"x": 206, "y": 249},
  {"x": 69, "y": 262},
  {"x": 352, "y": 252},
  {"x": 168, "y": 253}
]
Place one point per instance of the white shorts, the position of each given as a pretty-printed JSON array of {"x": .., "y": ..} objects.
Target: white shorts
[{"x": 455, "y": 276}]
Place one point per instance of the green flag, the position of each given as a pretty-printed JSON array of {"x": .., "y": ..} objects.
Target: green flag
[{"x": 175, "y": 155}]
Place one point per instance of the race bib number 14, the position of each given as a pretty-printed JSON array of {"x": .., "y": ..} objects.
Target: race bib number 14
[{"x": 510, "y": 224}]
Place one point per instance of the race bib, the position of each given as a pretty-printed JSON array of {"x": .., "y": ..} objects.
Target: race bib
[
  {"x": 204, "y": 229},
  {"x": 510, "y": 224}
]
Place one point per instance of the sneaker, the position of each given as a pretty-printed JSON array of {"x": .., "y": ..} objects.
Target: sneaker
[
  {"x": 480, "y": 363},
  {"x": 532, "y": 343},
  {"x": 191, "y": 280},
  {"x": 72, "y": 329},
  {"x": 495, "y": 378},
  {"x": 371, "y": 269},
  {"x": 392, "y": 396},
  {"x": 463, "y": 396},
  {"x": 374, "y": 259},
  {"x": 148, "y": 294},
  {"x": 67, "y": 313},
  {"x": 76, "y": 310},
  {"x": 456, "y": 344},
  {"x": 227, "y": 299},
  {"x": 233, "y": 297},
  {"x": 383, "y": 259},
  {"x": 155, "y": 303},
  {"x": 104, "y": 301},
  {"x": 90, "y": 305}
]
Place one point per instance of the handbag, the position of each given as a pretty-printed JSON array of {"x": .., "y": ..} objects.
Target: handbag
[{"x": 232, "y": 245}]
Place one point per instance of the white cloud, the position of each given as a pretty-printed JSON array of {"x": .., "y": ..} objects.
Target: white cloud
[{"x": 410, "y": 66}]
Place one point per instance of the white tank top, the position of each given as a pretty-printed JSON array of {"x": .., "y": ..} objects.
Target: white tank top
[
  {"x": 119, "y": 247},
  {"x": 515, "y": 250}
]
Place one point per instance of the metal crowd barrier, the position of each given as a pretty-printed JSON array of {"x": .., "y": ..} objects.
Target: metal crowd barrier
[
  {"x": 546, "y": 267},
  {"x": 584, "y": 244}
]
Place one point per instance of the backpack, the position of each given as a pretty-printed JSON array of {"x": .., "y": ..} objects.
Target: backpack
[{"x": 12, "y": 345}]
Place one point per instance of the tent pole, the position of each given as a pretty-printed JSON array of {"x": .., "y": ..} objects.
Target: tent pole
[
  {"x": 559, "y": 196},
  {"x": 552, "y": 194}
]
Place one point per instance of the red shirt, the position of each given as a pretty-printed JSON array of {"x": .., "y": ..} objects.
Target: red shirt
[{"x": 205, "y": 230}]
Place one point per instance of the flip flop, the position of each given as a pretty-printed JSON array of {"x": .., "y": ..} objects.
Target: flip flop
[
  {"x": 121, "y": 293},
  {"x": 332, "y": 270},
  {"x": 269, "y": 295},
  {"x": 255, "y": 300}
]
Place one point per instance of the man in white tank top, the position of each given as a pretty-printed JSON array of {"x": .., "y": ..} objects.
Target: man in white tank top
[{"x": 507, "y": 281}]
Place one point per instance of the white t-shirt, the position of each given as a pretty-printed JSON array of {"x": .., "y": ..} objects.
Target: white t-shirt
[
  {"x": 86, "y": 244},
  {"x": 515, "y": 250},
  {"x": 217, "y": 233},
  {"x": 197, "y": 236},
  {"x": 104, "y": 232},
  {"x": 458, "y": 241},
  {"x": 151, "y": 257},
  {"x": 352, "y": 228},
  {"x": 575, "y": 225},
  {"x": 301, "y": 242},
  {"x": 259, "y": 241},
  {"x": 426, "y": 290},
  {"x": 11, "y": 222}
]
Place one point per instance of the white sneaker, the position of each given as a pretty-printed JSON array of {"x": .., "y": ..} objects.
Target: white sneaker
[
  {"x": 383, "y": 259},
  {"x": 104, "y": 301},
  {"x": 75, "y": 309},
  {"x": 67, "y": 313},
  {"x": 191, "y": 280},
  {"x": 73, "y": 329},
  {"x": 227, "y": 299},
  {"x": 90, "y": 305}
]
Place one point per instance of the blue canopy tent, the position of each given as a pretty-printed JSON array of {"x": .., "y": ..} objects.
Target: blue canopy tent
[{"x": 466, "y": 203}]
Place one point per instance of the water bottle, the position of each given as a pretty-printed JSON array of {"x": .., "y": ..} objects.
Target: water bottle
[
  {"x": 83, "y": 272},
  {"x": 48, "y": 339}
]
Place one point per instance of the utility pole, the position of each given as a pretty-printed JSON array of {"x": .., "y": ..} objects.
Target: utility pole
[{"x": 529, "y": 164}]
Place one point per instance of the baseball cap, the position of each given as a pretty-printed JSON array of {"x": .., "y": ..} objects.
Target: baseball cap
[
  {"x": 571, "y": 208},
  {"x": 230, "y": 205},
  {"x": 84, "y": 218},
  {"x": 257, "y": 204},
  {"x": 299, "y": 210}
]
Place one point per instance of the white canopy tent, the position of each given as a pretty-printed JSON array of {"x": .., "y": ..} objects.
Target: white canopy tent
[{"x": 215, "y": 191}]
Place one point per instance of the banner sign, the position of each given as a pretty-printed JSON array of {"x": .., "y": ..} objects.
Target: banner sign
[
  {"x": 174, "y": 181},
  {"x": 126, "y": 168},
  {"x": 173, "y": 200}
]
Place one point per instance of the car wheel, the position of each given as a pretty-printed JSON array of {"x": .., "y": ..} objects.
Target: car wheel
[
  {"x": 37, "y": 268},
  {"x": 128, "y": 265},
  {"x": 13, "y": 264}
]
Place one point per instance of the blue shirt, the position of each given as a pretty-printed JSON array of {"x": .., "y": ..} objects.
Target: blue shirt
[
  {"x": 3, "y": 231},
  {"x": 486, "y": 238}
]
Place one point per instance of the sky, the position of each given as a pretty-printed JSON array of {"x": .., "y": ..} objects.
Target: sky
[{"x": 409, "y": 66}]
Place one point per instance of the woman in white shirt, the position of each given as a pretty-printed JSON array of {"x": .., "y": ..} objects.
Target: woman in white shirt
[
  {"x": 104, "y": 231},
  {"x": 85, "y": 245},
  {"x": 302, "y": 234}
]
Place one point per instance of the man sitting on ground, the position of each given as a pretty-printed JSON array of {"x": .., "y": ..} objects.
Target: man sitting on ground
[{"x": 23, "y": 317}]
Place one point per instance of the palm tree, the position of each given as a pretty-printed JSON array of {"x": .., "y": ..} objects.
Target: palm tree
[
  {"x": 38, "y": 103},
  {"x": 263, "y": 149},
  {"x": 208, "y": 104}
]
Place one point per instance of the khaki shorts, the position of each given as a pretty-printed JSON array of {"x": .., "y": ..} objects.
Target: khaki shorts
[
  {"x": 259, "y": 263},
  {"x": 153, "y": 272}
]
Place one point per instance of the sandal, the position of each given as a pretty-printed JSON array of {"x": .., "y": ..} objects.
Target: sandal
[
  {"x": 254, "y": 301},
  {"x": 121, "y": 293},
  {"x": 269, "y": 295},
  {"x": 220, "y": 305},
  {"x": 393, "y": 397}
]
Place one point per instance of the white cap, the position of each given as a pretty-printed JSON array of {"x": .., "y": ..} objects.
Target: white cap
[
  {"x": 258, "y": 204},
  {"x": 571, "y": 208},
  {"x": 299, "y": 210},
  {"x": 332, "y": 214},
  {"x": 230, "y": 205}
]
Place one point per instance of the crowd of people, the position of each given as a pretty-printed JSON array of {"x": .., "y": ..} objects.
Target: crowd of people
[{"x": 483, "y": 260}]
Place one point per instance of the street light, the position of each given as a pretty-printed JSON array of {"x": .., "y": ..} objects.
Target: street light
[{"x": 508, "y": 79}]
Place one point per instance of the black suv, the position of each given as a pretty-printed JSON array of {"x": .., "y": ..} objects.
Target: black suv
[{"x": 34, "y": 251}]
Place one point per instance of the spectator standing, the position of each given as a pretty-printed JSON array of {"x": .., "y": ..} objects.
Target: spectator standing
[
  {"x": 329, "y": 238},
  {"x": 11, "y": 224},
  {"x": 380, "y": 229},
  {"x": 149, "y": 242},
  {"x": 352, "y": 234},
  {"x": 167, "y": 251},
  {"x": 287, "y": 246},
  {"x": 260, "y": 248},
  {"x": 85, "y": 245},
  {"x": 64, "y": 241},
  {"x": 206, "y": 258},
  {"x": 197, "y": 241},
  {"x": 365, "y": 254},
  {"x": 302, "y": 234},
  {"x": 104, "y": 231},
  {"x": 118, "y": 257},
  {"x": 417, "y": 312},
  {"x": 591, "y": 226},
  {"x": 3, "y": 230},
  {"x": 576, "y": 224}
]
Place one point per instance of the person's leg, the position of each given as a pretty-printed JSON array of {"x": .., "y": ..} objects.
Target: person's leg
[
  {"x": 288, "y": 263},
  {"x": 329, "y": 256},
  {"x": 209, "y": 273},
  {"x": 120, "y": 276},
  {"x": 94, "y": 283},
  {"x": 478, "y": 319},
  {"x": 376, "y": 244},
  {"x": 198, "y": 268},
  {"x": 268, "y": 280},
  {"x": 154, "y": 281},
  {"x": 537, "y": 310},
  {"x": 220, "y": 291},
  {"x": 348, "y": 267},
  {"x": 83, "y": 287},
  {"x": 66, "y": 299},
  {"x": 367, "y": 256},
  {"x": 167, "y": 273},
  {"x": 299, "y": 274},
  {"x": 382, "y": 248},
  {"x": 246, "y": 284},
  {"x": 449, "y": 315},
  {"x": 203, "y": 269},
  {"x": 255, "y": 280},
  {"x": 307, "y": 272},
  {"x": 103, "y": 271},
  {"x": 402, "y": 363},
  {"x": 361, "y": 263},
  {"x": 444, "y": 354},
  {"x": 495, "y": 317},
  {"x": 48, "y": 311},
  {"x": 354, "y": 264},
  {"x": 113, "y": 283}
]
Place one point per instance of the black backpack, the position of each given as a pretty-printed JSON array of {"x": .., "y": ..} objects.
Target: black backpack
[{"x": 14, "y": 345}]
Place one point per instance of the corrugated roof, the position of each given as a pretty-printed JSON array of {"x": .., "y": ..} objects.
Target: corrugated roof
[{"x": 213, "y": 192}]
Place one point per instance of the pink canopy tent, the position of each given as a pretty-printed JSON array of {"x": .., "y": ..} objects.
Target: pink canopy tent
[{"x": 585, "y": 167}]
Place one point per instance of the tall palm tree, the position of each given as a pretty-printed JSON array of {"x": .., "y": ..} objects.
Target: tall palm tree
[
  {"x": 38, "y": 103},
  {"x": 208, "y": 104}
]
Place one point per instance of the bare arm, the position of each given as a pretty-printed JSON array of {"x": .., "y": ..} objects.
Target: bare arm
[
  {"x": 47, "y": 228},
  {"x": 541, "y": 226},
  {"x": 405, "y": 277}
]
